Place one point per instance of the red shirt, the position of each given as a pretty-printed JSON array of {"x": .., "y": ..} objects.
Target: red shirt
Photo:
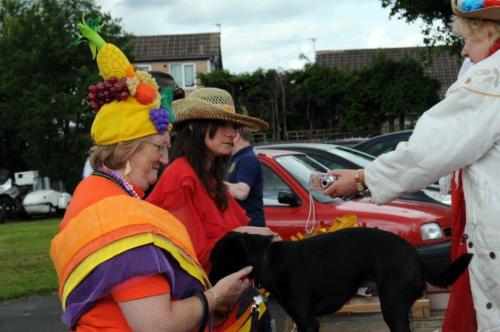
[{"x": 181, "y": 193}]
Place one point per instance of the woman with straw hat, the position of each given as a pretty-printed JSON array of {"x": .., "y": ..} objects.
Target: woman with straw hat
[
  {"x": 192, "y": 186},
  {"x": 124, "y": 264},
  {"x": 461, "y": 134}
]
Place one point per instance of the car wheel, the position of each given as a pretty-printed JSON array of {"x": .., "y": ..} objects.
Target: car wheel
[
  {"x": 5, "y": 206},
  {"x": 22, "y": 214}
]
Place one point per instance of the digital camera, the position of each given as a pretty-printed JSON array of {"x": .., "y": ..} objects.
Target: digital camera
[{"x": 320, "y": 181}]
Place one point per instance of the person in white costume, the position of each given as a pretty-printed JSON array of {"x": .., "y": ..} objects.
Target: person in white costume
[{"x": 460, "y": 134}]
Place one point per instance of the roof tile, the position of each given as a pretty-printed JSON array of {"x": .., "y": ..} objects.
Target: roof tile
[
  {"x": 182, "y": 46},
  {"x": 444, "y": 68}
]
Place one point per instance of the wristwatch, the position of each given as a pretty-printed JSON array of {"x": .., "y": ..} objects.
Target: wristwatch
[{"x": 360, "y": 187}]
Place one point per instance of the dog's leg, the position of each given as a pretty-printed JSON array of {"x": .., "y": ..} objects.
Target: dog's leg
[
  {"x": 304, "y": 322},
  {"x": 302, "y": 316},
  {"x": 311, "y": 325},
  {"x": 396, "y": 305}
]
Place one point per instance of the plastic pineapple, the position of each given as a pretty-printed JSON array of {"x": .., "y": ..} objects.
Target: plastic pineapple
[
  {"x": 110, "y": 59},
  {"x": 114, "y": 67}
]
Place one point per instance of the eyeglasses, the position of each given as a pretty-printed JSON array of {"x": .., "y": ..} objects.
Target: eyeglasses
[{"x": 162, "y": 148}]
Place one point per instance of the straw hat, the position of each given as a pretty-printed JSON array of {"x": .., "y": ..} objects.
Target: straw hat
[
  {"x": 214, "y": 104},
  {"x": 475, "y": 9}
]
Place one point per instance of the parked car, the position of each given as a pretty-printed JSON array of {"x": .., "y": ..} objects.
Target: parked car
[
  {"x": 11, "y": 197},
  {"x": 381, "y": 144},
  {"x": 28, "y": 195},
  {"x": 287, "y": 207},
  {"x": 346, "y": 141},
  {"x": 336, "y": 156}
]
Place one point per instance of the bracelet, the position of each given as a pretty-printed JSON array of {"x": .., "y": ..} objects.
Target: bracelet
[
  {"x": 360, "y": 187},
  {"x": 216, "y": 297},
  {"x": 204, "y": 303}
]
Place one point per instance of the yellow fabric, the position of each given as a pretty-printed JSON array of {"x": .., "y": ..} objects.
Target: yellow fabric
[
  {"x": 104, "y": 241},
  {"x": 347, "y": 221},
  {"x": 118, "y": 247},
  {"x": 107, "y": 216},
  {"x": 120, "y": 121}
]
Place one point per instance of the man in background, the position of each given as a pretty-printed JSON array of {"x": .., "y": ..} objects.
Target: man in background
[{"x": 244, "y": 179}]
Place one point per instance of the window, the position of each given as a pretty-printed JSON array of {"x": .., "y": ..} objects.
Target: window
[
  {"x": 143, "y": 67},
  {"x": 184, "y": 75},
  {"x": 273, "y": 184}
]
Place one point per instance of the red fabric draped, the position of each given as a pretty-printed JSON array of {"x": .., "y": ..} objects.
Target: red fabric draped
[
  {"x": 460, "y": 314},
  {"x": 494, "y": 48}
]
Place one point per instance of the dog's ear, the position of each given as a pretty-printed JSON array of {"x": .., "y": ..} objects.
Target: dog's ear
[
  {"x": 229, "y": 242},
  {"x": 255, "y": 244},
  {"x": 228, "y": 255}
]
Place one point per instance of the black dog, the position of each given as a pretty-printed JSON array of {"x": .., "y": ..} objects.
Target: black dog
[{"x": 316, "y": 276}]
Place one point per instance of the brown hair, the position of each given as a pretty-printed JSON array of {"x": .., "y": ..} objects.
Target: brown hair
[
  {"x": 190, "y": 142},
  {"x": 115, "y": 156}
]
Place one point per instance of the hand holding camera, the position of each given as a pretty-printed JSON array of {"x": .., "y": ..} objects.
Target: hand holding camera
[
  {"x": 320, "y": 181},
  {"x": 348, "y": 183}
]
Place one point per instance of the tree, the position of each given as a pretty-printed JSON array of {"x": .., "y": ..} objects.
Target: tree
[
  {"x": 386, "y": 91},
  {"x": 436, "y": 16},
  {"x": 258, "y": 94},
  {"x": 45, "y": 121},
  {"x": 320, "y": 90},
  {"x": 319, "y": 97}
]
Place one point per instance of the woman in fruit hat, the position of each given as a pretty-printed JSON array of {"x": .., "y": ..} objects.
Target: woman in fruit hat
[
  {"x": 192, "y": 187},
  {"x": 461, "y": 134},
  {"x": 124, "y": 264}
]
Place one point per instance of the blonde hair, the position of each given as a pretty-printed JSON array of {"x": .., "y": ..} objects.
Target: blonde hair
[
  {"x": 474, "y": 28},
  {"x": 115, "y": 156}
]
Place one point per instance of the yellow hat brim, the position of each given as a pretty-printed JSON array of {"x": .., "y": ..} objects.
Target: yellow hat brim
[{"x": 120, "y": 121}]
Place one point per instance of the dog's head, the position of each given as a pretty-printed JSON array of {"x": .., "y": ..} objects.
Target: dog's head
[{"x": 236, "y": 250}]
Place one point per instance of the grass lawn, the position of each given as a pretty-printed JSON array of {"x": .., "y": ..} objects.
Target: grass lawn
[{"x": 25, "y": 265}]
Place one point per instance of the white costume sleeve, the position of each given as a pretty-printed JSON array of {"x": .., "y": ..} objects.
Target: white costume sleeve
[{"x": 454, "y": 133}]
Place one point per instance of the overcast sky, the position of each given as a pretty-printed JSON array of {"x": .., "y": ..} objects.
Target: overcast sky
[{"x": 269, "y": 33}]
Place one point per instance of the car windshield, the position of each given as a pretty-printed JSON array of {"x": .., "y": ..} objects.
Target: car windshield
[
  {"x": 300, "y": 167},
  {"x": 360, "y": 158}
]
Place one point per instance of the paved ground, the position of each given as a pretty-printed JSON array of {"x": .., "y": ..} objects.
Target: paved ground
[
  {"x": 41, "y": 313},
  {"x": 375, "y": 323},
  {"x": 366, "y": 322},
  {"x": 38, "y": 313}
]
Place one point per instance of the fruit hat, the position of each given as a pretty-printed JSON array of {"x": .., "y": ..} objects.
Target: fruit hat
[{"x": 127, "y": 103}]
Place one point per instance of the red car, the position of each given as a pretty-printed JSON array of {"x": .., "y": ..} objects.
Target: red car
[{"x": 287, "y": 207}]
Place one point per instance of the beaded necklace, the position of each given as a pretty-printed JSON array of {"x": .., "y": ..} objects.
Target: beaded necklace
[{"x": 117, "y": 179}]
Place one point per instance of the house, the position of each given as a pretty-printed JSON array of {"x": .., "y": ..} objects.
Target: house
[
  {"x": 444, "y": 67},
  {"x": 183, "y": 56}
]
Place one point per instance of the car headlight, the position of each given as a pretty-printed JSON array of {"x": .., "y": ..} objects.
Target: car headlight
[{"x": 431, "y": 231}]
